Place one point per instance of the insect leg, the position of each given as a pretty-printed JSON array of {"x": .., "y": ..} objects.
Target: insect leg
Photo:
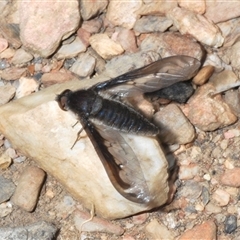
[{"x": 78, "y": 136}]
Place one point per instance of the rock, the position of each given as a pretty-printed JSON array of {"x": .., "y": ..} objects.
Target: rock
[
  {"x": 72, "y": 49},
  {"x": 194, "y": 6},
  {"x": 74, "y": 168},
  {"x": 116, "y": 13},
  {"x": 148, "y": 24},
  {"x": 231, "y": 177},
  {"x": 84, "y": 65},
  {"x": 140, "y": 218},
  {"x": 221, "y": 197},
  {"x": 7, "y": 189},
  {"x": 104, "y": 46},
  {"x": 154, "y": 230},
  {"x": 84, "y": 36},
  {"x": 187, "y": 172},
  {"x": 63, "y": 20},
  {"x": 28, "y": 188},
  {"x": 192, "y": 190},
  {"x": 7, "y": 92},
  {"x": 206, "y": 230},
  {"x": 5, "y": 161},
  {"x": 93, "y": 25},
  {"x": 8, "y": 53},
  {"x": 26, "y": 87},
  {"x": 12, "y": 73},
  {"x": 221, "y": 11},
  {"x": 211, "y": 208},
  {"x": 207, "y": 112},
  {"x": 156, "y": 7},
  {"x": 21, "y": 57},
  {"x": 233, "y": 54},
  {"x": 51, "y": 78},
  {"x": 203, "y": 75},
  {"x": 3, "y": 44},
  {"x": 96, "y": 224},
  {"x": 197, "y": 26},
  {"x": 11, "y": 33},
  {"x": 232, "y": 98},
  {"x": 127, "y": 40},
  {"x": 174, "y": 126},
  {"x": 172, "y": 43},
  {"x": 39, "y": 230},
  {"x": 5, "y": 209},
  {"x": 230, "y": 224},
  {"x": 90, "y": 9}
]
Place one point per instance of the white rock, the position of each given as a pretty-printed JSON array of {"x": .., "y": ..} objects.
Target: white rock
[
  {"x": 84, "y": 65},
  {"x": 71, "y": 50},
  {"x": 196, "y": 25},
  {"x": 26, "y": 87},
  {"x": 105, "y": 46},
  {"x": 7, "y": 92},
  {"x": 121, "y": 14},
  {"x": 48, "y": 137}
]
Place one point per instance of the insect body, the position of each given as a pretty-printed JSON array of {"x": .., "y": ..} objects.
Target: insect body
[{"x": 105, "y": 118}]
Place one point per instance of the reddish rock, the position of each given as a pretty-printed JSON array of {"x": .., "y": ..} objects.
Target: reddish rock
[
  {"x": 62, "y": 20},
  {"x": 204, "y": 231},
  {"x": 28, "y": 188},
  {"x": 231, "y": 177}
]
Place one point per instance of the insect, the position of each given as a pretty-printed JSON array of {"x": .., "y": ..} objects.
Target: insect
[{"x": 105, "y": 116}]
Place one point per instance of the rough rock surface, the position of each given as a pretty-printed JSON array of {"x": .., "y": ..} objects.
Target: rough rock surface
[{"x": 63, "y": 19}]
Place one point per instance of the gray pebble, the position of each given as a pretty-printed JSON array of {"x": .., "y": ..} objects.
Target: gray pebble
[
  {"x": 39, "y": 230},
  {"x": 230, "y": 224},
  {"x": 7, "y": 189}
]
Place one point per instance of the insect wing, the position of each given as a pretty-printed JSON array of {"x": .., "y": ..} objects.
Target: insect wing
[
  {"x": 155, "y": 76},
  {"x": 120, "y": 162}
]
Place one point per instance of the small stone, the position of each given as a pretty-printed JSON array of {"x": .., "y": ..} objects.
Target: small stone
[
  {"x": 21, "y": 57},
  {"x": 4, "y": 64},
  {"x": 203, "y": 75},
  {"x": 104, "y": 46},
  {"x": 5, "y": 209},
  {"x": 206, "y": 112},
  {"x": 155, "y": 230},
  {"x": 7, "y": 92},
  {"x": 148, "y": 24},
  {"x": 231, "y": 133},
  {"x": 84, "y": 65},
  {"x": 3, "y": 44},
  {"x": 51, "y": 78},
  {"x": 207, "y": 177},
  {"x": 7, "y": 189},
  {"x": 12, "y": 73},
  {"x": 221, "y": 197},
  {"x": 92, "y": 8},
  {"x": 187, "y": 172},
  {"x": 84, "y": 36},
  {"x": 232, "y": 98},
  {"x": 230, "y": 224},
  {"x": 19, "y": 159},
  {"x": 191, "y": 190},
  {"x": 8, "y": 53},
  {"x": 197, "y": 26},
  {"x": 39, "y": 230},
  {"x": 117, "y": 10},
  {"x": 28, "y": 188},
  {"x": 172, "y": 43},
  {"x": 174, "y": 126},
  {"x": 96, "y": 224},
  {"x": 127, "y": 40},
  {"x": 93, "y": 25},
  {"x": 62, "y": 21},
  {"x": 194, "y": 6},
  {"x": 221, "y": 11},
  {"x": 206, "y": 231},
  {"x": 231, "y": 177},
  {"x": 72, "y": 49},
  {"x": 212, "y": 208},
  {"x": 140, "y": 218},
  {"x": 26, "y": 87},
  {"x": 5, "y": 161}
]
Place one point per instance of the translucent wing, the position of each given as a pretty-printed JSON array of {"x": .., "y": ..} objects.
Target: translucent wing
[
  {"x": 157, "y": 75},
  {"x": 120, "y": 163}
]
